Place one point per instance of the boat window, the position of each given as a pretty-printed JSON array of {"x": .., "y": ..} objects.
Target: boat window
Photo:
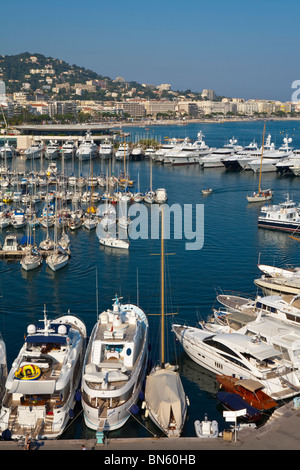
[
  {"x": 236, "y": 361},
  {"x": 221, "y": 347}
]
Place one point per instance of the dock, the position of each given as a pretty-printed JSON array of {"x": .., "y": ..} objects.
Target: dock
[
  {"x": 18, "y": 254},
  {"x": 281, "y": 432}
]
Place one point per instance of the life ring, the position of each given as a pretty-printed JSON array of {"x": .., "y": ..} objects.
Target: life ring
[{"x": 28, "y": 372}]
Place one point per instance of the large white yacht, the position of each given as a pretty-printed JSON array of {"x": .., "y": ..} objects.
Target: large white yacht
[
  {"x": 158, "y": 155},
  {"x": 285, "y": 308},
  {"x": 52, "y": 150},
  {"x": 7, "y": 151},
  {"x": 106, "y": 149},
  {"x": 42, "y": 383},
  {"x": 87, "y": 150},
  {"x": 216, "y": 157},
  {"x": 238, "y": 355},
  {"x": 190, "y": 152},
  {"x": 114, "y": 366},
  {"x": 35, "y": 150},
  {"x": 122, "y": 152},
  {"x": 69, "y": 149},
  {"x": 272, "y": 157},
  {"x": 240, "y": 159}
]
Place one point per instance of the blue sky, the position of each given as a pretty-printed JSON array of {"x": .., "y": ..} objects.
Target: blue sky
[{"x": 239, "y": 49}]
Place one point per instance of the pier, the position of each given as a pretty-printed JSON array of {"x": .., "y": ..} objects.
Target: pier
[{"x": 281, "y": 432}]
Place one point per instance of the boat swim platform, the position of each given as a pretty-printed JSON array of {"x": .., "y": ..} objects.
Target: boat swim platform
[{"x": 281, "y": 432}]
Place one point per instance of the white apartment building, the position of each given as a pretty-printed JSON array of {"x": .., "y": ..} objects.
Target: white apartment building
[
  {"x": 187, "y": 107},
  {"x": 134, "y": 108},
  {"x": 153, "y": 107}
]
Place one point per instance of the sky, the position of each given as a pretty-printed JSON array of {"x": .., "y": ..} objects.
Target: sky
[{"x": 239, "y": 49}]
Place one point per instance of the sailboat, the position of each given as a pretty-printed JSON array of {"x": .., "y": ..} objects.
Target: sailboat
[
  {"x": 150, "y": 195},
  {"x": 138, "y": 197},
  {"x": 165, "y": 399},
  {"x": 32, "y": 258},
  {"x": 261, "y": 195},
  {"x": 90, "y": 221},
  {"x": 59, "y": 258}
]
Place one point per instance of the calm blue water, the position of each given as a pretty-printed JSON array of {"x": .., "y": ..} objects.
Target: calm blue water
[{"x": 227, "y": 261}]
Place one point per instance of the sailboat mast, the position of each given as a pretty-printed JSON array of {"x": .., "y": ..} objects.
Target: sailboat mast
[
  {"x": 162, "y": 290},
  {"x": 262, "y": 152}
]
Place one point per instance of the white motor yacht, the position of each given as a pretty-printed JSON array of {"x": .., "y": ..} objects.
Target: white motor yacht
[
  {"x": 52, "y": 150},
  {"x": 35, "y": 150},
  {"x": 238, "y": 355},
  {"x": 18, "y": 218},
  {"x": 149, "y": 152},
  {"x": 272, "y": 157},
  {"x": 69, "y": 149},
  {"x": 158, "y": 155},
  {"x": 286, "y": 165},
  {"x": 10, "y": 243},
  {"x": 114, "y": 366},
  {"x": 160, "y": 196},
  {"x": 215, "y": 158},
  {"x": 284, "y": 307},
  {"x": 137, "y": 153},
  {"x": 87, "y": 150},
  {"x": 7, "y": 151},
  {"x": 271, "y": 320},
  {"x": 284, "y": 216},
  {"x": 190, "y": 153},
  {"x": 106, "y": 149},
  {"x": 122, "y": 152},
  {"x": 41, "y": 387},
  {"x": 240, "y": 160}
]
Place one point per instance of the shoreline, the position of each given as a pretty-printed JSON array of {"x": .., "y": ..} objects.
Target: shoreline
[{"x": 199, "y": 121}]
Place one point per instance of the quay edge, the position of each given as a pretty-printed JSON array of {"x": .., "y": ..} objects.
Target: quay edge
[{"x": 281, "y": 432}]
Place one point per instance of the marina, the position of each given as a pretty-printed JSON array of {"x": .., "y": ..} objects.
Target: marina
[{"x": 95, "y": 273}]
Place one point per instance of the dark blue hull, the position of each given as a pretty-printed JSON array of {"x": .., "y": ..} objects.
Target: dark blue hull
[
  {"x": 235, "y": 402},
  {"x": 274, "y": 225}
]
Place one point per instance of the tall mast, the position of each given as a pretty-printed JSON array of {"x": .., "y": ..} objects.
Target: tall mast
[
  {"x": 162, "y": 291},
  {"x": 262, "y": 152}
]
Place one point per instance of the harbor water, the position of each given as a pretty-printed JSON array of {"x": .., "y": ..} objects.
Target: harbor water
[{"x": 227, "y": 261}]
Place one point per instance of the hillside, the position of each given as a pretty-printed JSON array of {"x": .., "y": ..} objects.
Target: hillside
[{"x": 36, "y": 73}]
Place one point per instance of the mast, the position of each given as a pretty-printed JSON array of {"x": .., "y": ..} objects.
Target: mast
[
  {"x": 162, "y": 291},
  {"x": 262, "y": 152}
]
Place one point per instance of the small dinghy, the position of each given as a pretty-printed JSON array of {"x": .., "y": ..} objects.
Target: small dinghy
[
  {"x": 205, "y": 192},
  {"x": 206, "y": 428}
]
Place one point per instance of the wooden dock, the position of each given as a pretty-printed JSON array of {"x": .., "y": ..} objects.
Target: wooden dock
[{"x": 18, "y": 254}]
